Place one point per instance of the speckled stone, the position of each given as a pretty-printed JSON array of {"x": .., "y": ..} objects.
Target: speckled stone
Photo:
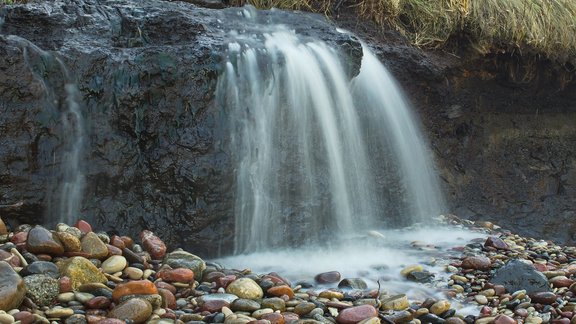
[{"x": 41, "y": 289}]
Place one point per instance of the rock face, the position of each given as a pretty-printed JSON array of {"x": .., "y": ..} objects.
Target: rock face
[{"x": 156, "y": 155}]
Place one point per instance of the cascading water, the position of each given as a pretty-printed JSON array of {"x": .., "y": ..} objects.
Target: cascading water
[
  {"x": 63, "y": 99},
  {"x": 320, "y": 158}
]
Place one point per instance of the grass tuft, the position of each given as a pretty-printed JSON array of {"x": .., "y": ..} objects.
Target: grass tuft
[{"x": 544, "y": 27}]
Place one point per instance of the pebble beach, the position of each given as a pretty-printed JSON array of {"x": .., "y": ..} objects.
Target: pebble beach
[{"x": 76, "y": 274}]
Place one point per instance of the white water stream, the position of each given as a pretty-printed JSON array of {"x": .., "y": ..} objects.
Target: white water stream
[{"x": 320, "y": 157}]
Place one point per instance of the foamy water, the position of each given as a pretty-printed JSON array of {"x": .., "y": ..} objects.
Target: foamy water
[{"x": 378, "y": 256}]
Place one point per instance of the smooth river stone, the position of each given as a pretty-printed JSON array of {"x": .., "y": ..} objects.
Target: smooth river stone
[
  {"x": 246, "y": 305},
  {"x": 136, "y": 310},
  {"x": 80, "y": 271},
  {"x": 273, "y": 318},
  {"x": 352, "y": 283},
  {"x": 478, "y": 262},
  {"x": 117, "y": 242},
  {"x": 83, "y": 226},
  {"x": 136, "y": 287},
  {"x": 561, "y": 281},
  {"x": 176, "y": 275},
  {"x": 153, "y": 245},
  {"x": 113, "y": 264},
  {"x": 275, "y": 303},
  {"x": 98, "y": 302},
  {"x": 543, "y": 297},
  {"x": 411, "y": 268},
  {"x": 245, "y": 288},
  {"x": 12, "y": 287},
  {"x": 94, "y": 246},
  {"x": 133, "y": 273},
  {"x": 304, "y": 308},
  {"x": 396, "y": 303},
  {"x": 183, "y": 259},
  {"x": 41, "y": 289},
  {"x": 496, "y": 243},
  {"x": 517, "y": 275},
  {"x": 59, "y": 312},
  {"x": 6, "y": 318},
  {"x": 327, "y": 277},
  {"x": 41, "y": 267},
  {"x": 439, "y": 307},
  {"x": 356, "y": 314},
  {"x": 42, "y": 241},
  {"x": 213, "y": 306},
  {"x": 70, "y": 241},
  {"x": 3, "y": 228},
  {"x": 330, "y": 294},
  {"x": 279, "y": 291},
  {"x": 168, "y": 298}
]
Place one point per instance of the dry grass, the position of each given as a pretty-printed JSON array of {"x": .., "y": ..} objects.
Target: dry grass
[{"x": 545, "y": 27}]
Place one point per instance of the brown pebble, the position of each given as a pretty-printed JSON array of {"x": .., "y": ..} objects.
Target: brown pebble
[
  {"x": 504, "y": 319},
  {"x": 98, "y": 302},
  {"x": 24, "y": 317},
  {"x": 274, "y": 318},
  {"x": 168, "y": 298},
  {"x": 116, "y": 241},
  {"x": 165, "y": 285}
]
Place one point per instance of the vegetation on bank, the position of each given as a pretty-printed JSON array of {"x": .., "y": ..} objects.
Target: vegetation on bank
[{"x": 544, "y": 27}]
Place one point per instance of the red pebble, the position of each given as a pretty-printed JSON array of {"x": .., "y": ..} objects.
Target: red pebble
[
  {"x": 176, "y": 275},
  {"x": 274, "y": 318},
  {"x": 563, "y": 320},
  {"x": 83, "y": 226},
  {"x": 128, "y": 241},
  {"x": 225, "y": 281},
  {"x": 20, "y": 240},
  {"x": 213, "y": 306},
  {"x": 24, "y": 317},
  {"x": 485, "y": 310},
  {"x": 356, "y": 314},
  {"x": 44, "y": 257},
  {"x": 540, "y": 267},
  {"x": 168, "y": 315},
  {"x": 10, "y": 258},
  {"x": 117, "y": 242},
  {"x": 135, "y": 287},
  {"x": 504, "y": 319},
  {"x": 98, "y": 302},
  {"x": 65, "y": 284},
  {"x": 168, "y": 299},
  {"x": 93, "y": 319},
  {"x": 153, "y": 245},
  {"x": 113, "y": 250},
  {"x": 290, "y": 317},
  {"x": 279, "y": 291}
]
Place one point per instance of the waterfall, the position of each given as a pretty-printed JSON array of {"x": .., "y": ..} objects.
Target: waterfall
[
  {"x": 63, "y": 99},
  {"x": 320, "y": 158}
]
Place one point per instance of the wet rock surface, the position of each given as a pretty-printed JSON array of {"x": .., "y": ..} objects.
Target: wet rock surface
[{"x": 156, "y": 154}]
